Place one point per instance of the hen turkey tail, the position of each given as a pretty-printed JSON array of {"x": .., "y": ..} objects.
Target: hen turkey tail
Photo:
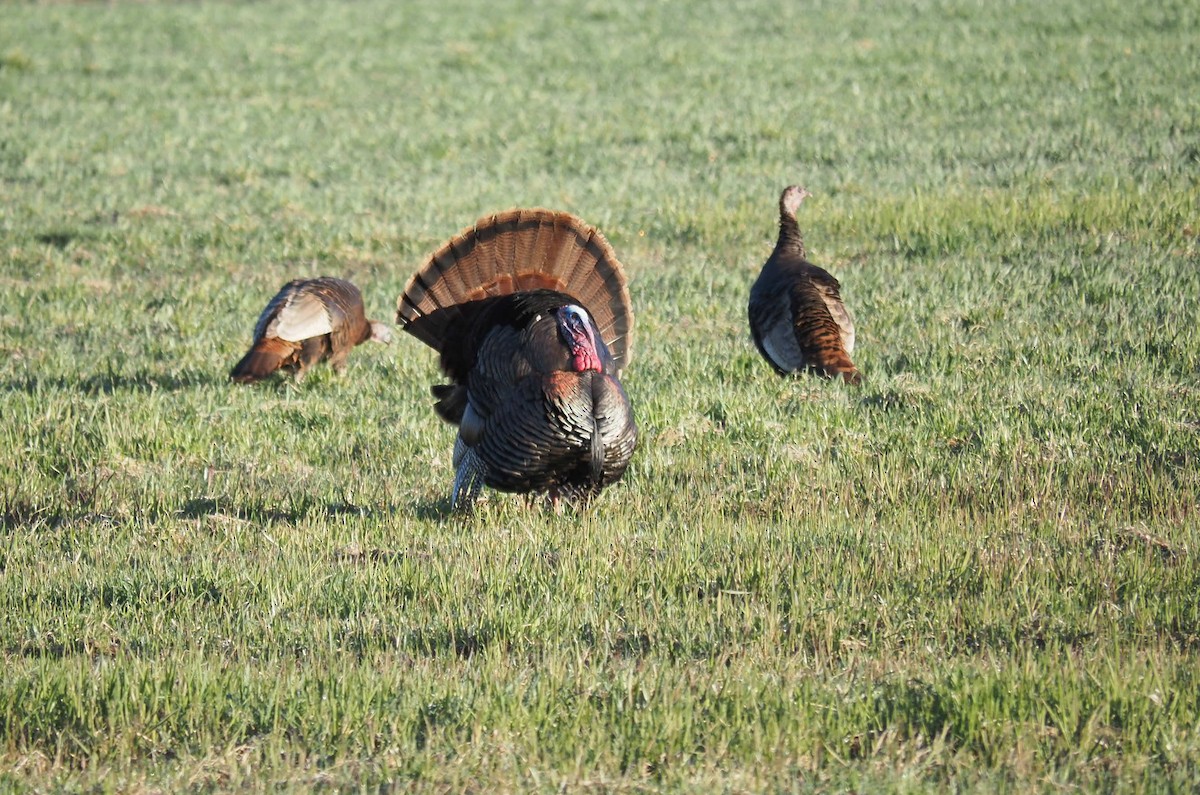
[
  {"x": 514, "y": 251},
  {"x": 267, "y": 356}
]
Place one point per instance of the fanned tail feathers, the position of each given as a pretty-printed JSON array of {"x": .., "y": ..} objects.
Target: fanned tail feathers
[{"x": 513, "y": 251}]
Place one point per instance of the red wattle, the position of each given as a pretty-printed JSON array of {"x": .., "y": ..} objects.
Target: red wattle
[{"x": 585, "y": 359}]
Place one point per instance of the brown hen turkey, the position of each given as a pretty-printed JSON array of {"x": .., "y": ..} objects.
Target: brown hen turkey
[
  {"x": 530, "y": 314},
  {"x": 307, "y": 321},
  {"x": 796, "y": 312}
]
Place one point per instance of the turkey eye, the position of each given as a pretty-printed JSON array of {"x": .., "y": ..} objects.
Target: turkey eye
[{"x": 576, "y": 319}]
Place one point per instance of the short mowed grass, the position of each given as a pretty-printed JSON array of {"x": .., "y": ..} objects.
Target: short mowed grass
[{"x": 977, "y": 571}]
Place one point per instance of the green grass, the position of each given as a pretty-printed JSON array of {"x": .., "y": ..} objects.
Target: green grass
[{"x": 977, "y": 572}]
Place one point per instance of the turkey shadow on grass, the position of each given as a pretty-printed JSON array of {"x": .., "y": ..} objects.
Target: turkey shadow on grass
[
  {"x": 23, "y": 513},
  {"x": 108, "y": 383},
  {"x": 261, "y": 512},
  {"x": 435, "y": 508},
  {"x": 441, "y": 508},
  {"x": 63, "y": 237}
]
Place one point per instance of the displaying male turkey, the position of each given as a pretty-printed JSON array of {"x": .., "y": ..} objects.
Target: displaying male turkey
[
  {"x": 530, "y": 314},
  {"x": 796, "y": 312},
  {"x": 307, "y": 321}
]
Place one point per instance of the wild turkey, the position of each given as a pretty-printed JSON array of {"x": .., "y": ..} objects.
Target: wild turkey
[
  {"x": 796, "y": 312},
  {"x": 531, "y": 316},
  {"x": 307, "y": 321}
]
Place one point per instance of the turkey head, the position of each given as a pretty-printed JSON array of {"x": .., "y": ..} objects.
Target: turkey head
[
  {"x": 530, "y": 314},
  {"x": 797, "y": 317},
  {"x": 307, "y": 321}
]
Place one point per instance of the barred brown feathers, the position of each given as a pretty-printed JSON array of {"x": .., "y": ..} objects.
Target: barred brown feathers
[
  {"x": 307, "y": 321},
  {"x": 797, "y": 317},
  {"x": 522, "y": 249}
]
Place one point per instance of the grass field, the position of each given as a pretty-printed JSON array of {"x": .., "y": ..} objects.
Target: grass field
[{"x": 976, "y": 572}]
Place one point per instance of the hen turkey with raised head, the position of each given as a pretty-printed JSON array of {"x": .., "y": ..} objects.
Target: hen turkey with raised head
[
  {"x": 797, "y": 317},
  {"x": 530, "y": 315},
  {"x": 307, "y": 321}
]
